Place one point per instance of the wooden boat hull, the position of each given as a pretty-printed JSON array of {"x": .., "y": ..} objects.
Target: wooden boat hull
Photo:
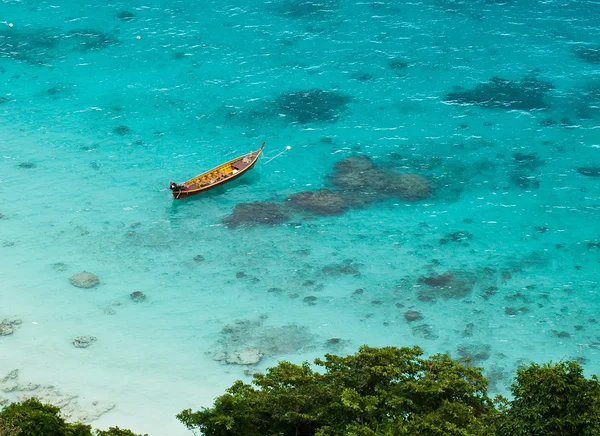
[{"x": 217, "y": 176}]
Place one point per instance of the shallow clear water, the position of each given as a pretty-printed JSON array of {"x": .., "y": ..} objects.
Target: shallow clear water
[{"x": 512, "y": 222}]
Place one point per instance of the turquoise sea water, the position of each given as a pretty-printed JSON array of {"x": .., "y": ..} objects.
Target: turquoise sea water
[{"x": 103, "y": 104}]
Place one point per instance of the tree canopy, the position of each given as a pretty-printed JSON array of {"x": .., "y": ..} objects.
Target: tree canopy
[{"x": 375, "y": 392}]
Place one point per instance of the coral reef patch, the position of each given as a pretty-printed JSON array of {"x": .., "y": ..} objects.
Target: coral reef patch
[
  {"x": 528, "y": 94},
  {"x": 8, "y": 327},
  {"x": 312, "y": 105},
  {"x": 256, "y": 213},
  {"x": 245, "y": 342},
  {"x": 85, "y": 280},
  {"x": 72, "y": 407}
]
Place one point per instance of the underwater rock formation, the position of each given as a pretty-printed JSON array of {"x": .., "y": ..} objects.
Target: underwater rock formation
[
  {"x": 72, "y": 409},
  {"x": 34, "y": 47},
  {"x": 473, "y": 354},
  {"x": 412, "y": 315},
  {"x": 8, "y": 327},
  {"x": 245, "y": 356},
  {"x": 121, "y": 130},
  {"x": 588, "y": 54},
  {"x": 249, "y": 340},
  {"x": 524, "y": 174},
  {"x": 313, "y": 9},
  {"x": 528, "y": 94},
  {"x": 412, "y": 187},
  {"x": 589, "y": 171},
  {"x": 347, "y": 268},
  {"x": 452, "y": 284},
  {"x": 126, "y": 16},
  {"x": 362, "y": 182},
  {"x": 59, "y": 266},
  {"x": 84, "y": 341},
  {"x": 89, "y": 39},
  {"x": 323, "y": 202},
  {"x": 257, "y": 213},
  {"x": 312, "y": 105},
  {"x": 137, "y": 297},
  {"x": 84, "y": 280},
  {"x": 424, "y": 331}
]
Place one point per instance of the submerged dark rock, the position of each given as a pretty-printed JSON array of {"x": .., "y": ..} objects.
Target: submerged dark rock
[
  {"x": 8, "y": 327},
  {"x": 126, "y": 16},
  {"x": 90, "y": 39},
  {"x": 588, "y": 54},
  {"x": 323, "y": 202},
  {"x": 528, "y": 94},
  {"x": 589, "y": 171},
  {"x": 137, "y": 297},
  {"x": 84, "y": 341},
  {"x": 121, "y": 130},
  {"x": 398, "y": 64},
  {"x": 452, "y": 284},
  {"x": 84, "y": 280},
  {"x": 474, "y": 353},
  {"x": 27, "y": 165},
  {"x": 348, "y": 267},
  {"x": 312, "y": 105},
  {"x": 362, "y": 182},
  {"x": 254, "y": 214},
  {"x": 412, "y": 315}
]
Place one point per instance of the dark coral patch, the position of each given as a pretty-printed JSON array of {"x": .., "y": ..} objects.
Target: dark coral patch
[
  {"x": 257, "y": 213},
  {"x": 312, "y": 106},
  {"x": 589, "y": 171},
  {"x": 452, "y": 284},
  {"x": 347, "y": 267},
  {"x": 528, "y": 94},
  {"x": 364, "y": 182},
  {"x": 90, "y": 39},
  {"x": 323, "y": 202},
  {"x": 121, "y": 130},
  {"x": 126, "y": 16},
  {"x": 398, "y": 64},
  {"x": 588, "y": 54}
]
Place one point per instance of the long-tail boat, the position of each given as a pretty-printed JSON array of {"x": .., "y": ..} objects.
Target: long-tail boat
[{"x": 217, "y": 176}]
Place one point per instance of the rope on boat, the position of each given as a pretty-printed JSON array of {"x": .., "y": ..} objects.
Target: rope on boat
[{"x": 279, "y": 154}]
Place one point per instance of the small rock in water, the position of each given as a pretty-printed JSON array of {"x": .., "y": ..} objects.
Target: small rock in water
[
  {"x": 589, "y": 171},
  {"x": 59, "y": 266},
  {"x": 246, "y": 356},
  {"x": 199, "y": 258},
  {"x": 84, "y": 341},
  {"x": 240, "y": 275},
  {"x": 8, "y": 327},
  {"x": 412, "y": 315},
  {"x": 27, "y": 165},
  {"x": 137, "y": 297},
  {"x": 125, "y": 16},
  {"x": 311, "y": 300},
  {"x": 121, "y": 130},
  {"x": 84, "y": 280}
]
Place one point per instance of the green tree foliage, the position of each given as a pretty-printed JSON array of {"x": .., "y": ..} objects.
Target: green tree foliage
[
  {"x": 33, "y": 418},
  {"x": 375, "y": 392},
  {"x": 552, "y": 400},
  {"x": 116, "y": 431}
]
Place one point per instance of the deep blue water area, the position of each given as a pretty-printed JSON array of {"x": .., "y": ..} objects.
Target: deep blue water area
[{"x": 431, "y": 176}]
